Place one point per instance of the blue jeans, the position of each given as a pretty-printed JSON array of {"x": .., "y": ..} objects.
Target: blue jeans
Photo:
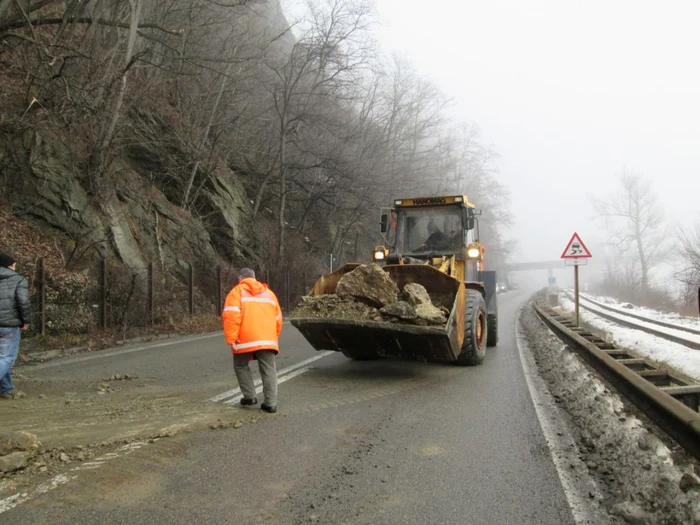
[{"x": 9, "y": 348}]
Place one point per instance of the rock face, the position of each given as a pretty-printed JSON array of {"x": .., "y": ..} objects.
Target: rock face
[
  {"x": 416, "y": 294},
  {"x": 139, "y": 220},
  {"x": 370, "y": 284}
]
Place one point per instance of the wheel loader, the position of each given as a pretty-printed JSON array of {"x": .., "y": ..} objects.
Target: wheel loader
[{"x": 432, "y": 241}]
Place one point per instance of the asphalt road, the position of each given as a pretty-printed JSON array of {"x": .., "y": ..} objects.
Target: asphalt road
[{"x": 378, "y": 442}]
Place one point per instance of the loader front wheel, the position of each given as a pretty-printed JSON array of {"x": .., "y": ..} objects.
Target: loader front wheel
[{"x": 475, "y": 330}]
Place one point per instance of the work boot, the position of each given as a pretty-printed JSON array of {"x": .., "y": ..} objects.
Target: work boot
[
  {"x": 268, "y": 408},
  {"x": 13, "y": 394},
  {"x": 249, "y": 402}
]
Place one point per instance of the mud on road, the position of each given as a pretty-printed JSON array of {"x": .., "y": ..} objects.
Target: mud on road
[{"x": 78, "y": 421}]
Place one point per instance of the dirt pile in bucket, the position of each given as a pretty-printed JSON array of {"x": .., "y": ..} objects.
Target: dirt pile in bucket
[{"x": 368, "y": 294}]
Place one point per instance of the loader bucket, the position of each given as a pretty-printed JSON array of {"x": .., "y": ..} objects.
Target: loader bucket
[{"x": 366, "y": 339}]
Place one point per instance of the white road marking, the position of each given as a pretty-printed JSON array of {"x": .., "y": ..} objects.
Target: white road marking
[
  {"x": 259, "y": 388},
  {"x": 61, "y": 479},
  {"x": 17, "y": 499},
  {"x": 557, "y": 445},
  {"x": 280, "y": 373}
]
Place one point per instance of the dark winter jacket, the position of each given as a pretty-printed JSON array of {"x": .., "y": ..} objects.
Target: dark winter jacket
[{"x": 15, "y": 309}]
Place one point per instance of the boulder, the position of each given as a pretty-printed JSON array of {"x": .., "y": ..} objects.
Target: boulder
[
  {"x": 18, "y": 441},
  {"x": 400, "y": 310},
  {"x": 369, "y": 284},
  {"x": 416, "y": 294},
  {"x": 430, "y": 314},
  {"x": 15, "y": 461},
  {"x": 689, "y": 482},
  {"x": 631, "y": 513}
]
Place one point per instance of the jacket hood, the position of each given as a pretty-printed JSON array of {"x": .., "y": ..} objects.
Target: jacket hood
[
  {"x": 253, "y": 286},
  {"x": 6, "y": 272}
]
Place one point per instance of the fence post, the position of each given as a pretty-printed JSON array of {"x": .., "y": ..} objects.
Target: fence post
[
  {"x": 190, "y": 289},
  {"x": 287, "y": 290},
  {"x": 151, "y": 294},
  {"x": 102, "y": 307},
  {"x": 42, "y": 297},
  {"x": 218, "y": 291}
]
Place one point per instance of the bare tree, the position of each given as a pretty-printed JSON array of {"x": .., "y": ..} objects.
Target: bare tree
[
  {"x": 689, "y": 252},
  {"x": 635, "y": 221},
  {"x": 330, "y": 50}
]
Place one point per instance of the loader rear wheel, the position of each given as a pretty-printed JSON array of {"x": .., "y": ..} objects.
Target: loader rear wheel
[
  {"x": 492, "y": 325},
  {"x": 475, "y": 330}
]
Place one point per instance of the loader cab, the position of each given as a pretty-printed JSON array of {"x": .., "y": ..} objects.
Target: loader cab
[{"x": 431, "y": 226}]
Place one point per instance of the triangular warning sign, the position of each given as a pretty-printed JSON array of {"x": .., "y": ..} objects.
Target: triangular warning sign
[{"x": 576, "y": 249}]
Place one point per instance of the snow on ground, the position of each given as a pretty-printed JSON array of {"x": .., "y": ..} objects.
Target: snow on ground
[
  {"x": 679, "y": 357},
  {"x": 623, "y": 315},
  {"x": 691, "y": 322}
]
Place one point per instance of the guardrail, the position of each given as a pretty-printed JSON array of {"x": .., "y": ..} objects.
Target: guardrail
[{"x": 668, "y": 400}]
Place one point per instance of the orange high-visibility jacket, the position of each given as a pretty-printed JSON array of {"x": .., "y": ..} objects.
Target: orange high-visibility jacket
[{"x": 252, "y": 318}]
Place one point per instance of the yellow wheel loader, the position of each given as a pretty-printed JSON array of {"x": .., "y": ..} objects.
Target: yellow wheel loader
[{"x": 432, "y": 241}]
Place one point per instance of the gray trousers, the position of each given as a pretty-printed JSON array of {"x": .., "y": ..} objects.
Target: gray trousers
[{"x": 268, "y": 373}]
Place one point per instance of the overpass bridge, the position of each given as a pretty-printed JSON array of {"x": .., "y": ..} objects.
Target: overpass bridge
[{"x": 550, "y": 266}]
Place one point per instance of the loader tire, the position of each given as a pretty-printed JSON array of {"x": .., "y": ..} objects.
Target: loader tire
[
  {"x": 475, "y": 330},
  {"x": 492, "y": 325}
]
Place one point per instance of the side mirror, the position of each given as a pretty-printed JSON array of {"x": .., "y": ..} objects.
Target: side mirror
[
  {"x": 384, "y": 223},
  {"x": 470, "y": 223}
]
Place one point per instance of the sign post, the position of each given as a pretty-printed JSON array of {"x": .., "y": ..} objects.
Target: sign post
[
  {"x": 576, "y": 254},
  {"x": 331, "y": 261}
]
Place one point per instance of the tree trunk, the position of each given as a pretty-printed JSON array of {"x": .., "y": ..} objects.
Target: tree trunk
[
  {"x": 134, "y": 17},
  {"x": 214, "y": 109}
]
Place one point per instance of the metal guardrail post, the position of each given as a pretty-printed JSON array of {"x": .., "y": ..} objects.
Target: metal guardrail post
[
  {"x": 287, "y": 291},
  {"x": 102, "y": 289},
  {"x": 190, "y": 289},
  {"x": 151, "y": 294},
  {"x": 42, "y": 296},
  {"x": 219, "y": 302}
]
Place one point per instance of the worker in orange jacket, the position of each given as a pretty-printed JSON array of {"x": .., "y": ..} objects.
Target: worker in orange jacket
[{"x": 252, "y": 322}]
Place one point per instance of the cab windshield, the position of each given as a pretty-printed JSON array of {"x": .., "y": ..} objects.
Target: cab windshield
[{"x": 430, "y": 229}]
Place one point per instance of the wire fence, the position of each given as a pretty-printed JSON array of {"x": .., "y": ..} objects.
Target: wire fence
[{"x": 111, "y": 296}]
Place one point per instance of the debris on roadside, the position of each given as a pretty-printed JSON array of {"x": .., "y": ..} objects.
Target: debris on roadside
[
  {"x": 17, "y": 450},
  {"x": 122, "y": 377}
]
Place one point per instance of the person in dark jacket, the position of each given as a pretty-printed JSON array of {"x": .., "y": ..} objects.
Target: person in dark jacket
[
  {"x": 15, "y": 313},
  {"x": 436, "y": 239}
]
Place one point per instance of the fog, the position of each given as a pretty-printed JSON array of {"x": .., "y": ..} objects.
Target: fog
[{"x": 569, "y": 93}]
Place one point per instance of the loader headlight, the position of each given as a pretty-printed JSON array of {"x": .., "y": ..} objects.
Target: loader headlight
[
  {"x": 378, "y": 255},
  {"x": 473, "y": 253}
]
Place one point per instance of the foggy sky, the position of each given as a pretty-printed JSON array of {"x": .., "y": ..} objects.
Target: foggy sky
[{"x": 569, "y": 93}]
